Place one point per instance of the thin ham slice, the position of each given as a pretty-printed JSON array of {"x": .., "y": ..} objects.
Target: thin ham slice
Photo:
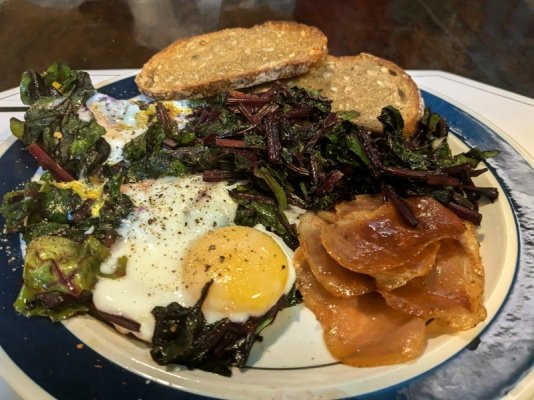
[
  {"x": 452, "y": 292},
  {"x": 335, "y": 279},
  {"x": 361, "y": 202},
  {"x": 373, "y": 241},
  {"x": 419, "y": 265},
  {"x": 361, "y": 331}
]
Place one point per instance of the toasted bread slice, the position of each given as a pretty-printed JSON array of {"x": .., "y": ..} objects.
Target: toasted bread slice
[
  {"x": 365, "y": 84},
  {"x": 204, "y": 65}
]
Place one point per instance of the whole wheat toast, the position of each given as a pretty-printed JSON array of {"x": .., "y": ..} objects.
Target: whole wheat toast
[
  {"x": 365, "y": 84},
  {"x": 204, "y": 65}
]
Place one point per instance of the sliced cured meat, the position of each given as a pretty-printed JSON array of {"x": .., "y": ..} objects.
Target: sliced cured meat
[
  {"x": 361, "y": 331},
  {"x": 337, "y": 280},
  {"x": 452, "y": 292},
  {"x": 361, "y": 202},
  {"x": 419, "y": 265},
  {"x": 374, "y": 241},
  {"x": 327, "y": 216}
]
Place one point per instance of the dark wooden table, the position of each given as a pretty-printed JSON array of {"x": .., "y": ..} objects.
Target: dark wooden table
[{"x": 490, "y": 41}]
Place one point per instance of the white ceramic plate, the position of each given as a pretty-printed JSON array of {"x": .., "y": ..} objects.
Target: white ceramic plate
[{"x": 292, "y": 362}]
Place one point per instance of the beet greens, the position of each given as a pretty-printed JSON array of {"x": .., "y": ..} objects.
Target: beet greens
[
  {"x": 294, "y": 150},
  {"x": 183, "y": 336}
]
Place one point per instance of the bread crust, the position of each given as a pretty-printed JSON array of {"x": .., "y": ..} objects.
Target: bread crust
[
  {"x": 366, "y": 83},
  {"x": 293, "y": 49},
  {"x": 204, "y": 65}
]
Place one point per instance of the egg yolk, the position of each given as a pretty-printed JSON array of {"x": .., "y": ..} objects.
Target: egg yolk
[{"x": 248, "y": 268}]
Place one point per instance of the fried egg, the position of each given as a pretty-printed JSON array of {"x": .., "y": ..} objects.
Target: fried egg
[
  {"x": 250, "y": 268},
  {"x": 180, "y": 236},
  {"x": 124, "y": 120}
]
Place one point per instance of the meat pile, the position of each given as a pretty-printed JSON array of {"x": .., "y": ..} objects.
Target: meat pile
[{"x": 377, "y": 286}]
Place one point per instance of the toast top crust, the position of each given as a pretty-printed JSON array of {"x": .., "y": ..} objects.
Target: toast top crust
[
  {"x": 365, "y": 84},
  {"x": 204, "y": 65}
]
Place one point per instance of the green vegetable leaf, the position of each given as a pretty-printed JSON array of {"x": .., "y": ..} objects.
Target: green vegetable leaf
[
  {"x": 120, "y": 271},
  {"x": 43, "y": 209},
  {"x": 154, "y": 166},
  {"x": 403, "y": 155},
  {"x": 55, "y": 97},
  {"x": 254, "y": 212},
  {"x": 392, "y": 120},
  {"x": 473, "y": 157},
  {"x": 17, "y": 128},
  {"x": 58, "y": 80},
  {"x": 58, "y": 265},
  {"x": 354, "y": 145},
  {"x": 183, "y": 336},
  {"x": 33, "y": 86},
  {"x": 17, "y": 205},
  {"x": 144, "y": 144},
  {"x": 348, "y": 115},
  {"x": 276, "y": 188},
  {"x": 62, "y": 78},
  {"x": 56, "y": 205},
  {"x": 84, "y": 135},
  {"x": 54, "y": 305},
  {"x": 148, "y": 159}
]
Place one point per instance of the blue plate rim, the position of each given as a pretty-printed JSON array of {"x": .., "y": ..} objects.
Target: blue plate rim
[{"x": 124, "y": 84}]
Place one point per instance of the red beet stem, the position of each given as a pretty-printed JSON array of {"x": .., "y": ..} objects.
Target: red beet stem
[{"x": 47, "y": 162}]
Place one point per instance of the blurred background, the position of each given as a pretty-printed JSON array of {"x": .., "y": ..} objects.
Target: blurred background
[{"x": 491, "y": 41}]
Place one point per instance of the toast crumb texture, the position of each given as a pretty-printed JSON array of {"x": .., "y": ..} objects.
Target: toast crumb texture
[
  {"x": 204, "y": 65},
  {"x": 366, "y": 83}
]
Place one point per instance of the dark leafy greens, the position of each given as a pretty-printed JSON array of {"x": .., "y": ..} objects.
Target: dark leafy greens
[
  {"x": 51, "y": 208},
  {"x": 53, "y": 125},
  {"x": 183, "y": 336},
  {"x": 293, "y": 150},
  {"x": 68, "y": 228},
  {"x": 148, "y": 159},
  {"x": 424, "y": 165}
]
